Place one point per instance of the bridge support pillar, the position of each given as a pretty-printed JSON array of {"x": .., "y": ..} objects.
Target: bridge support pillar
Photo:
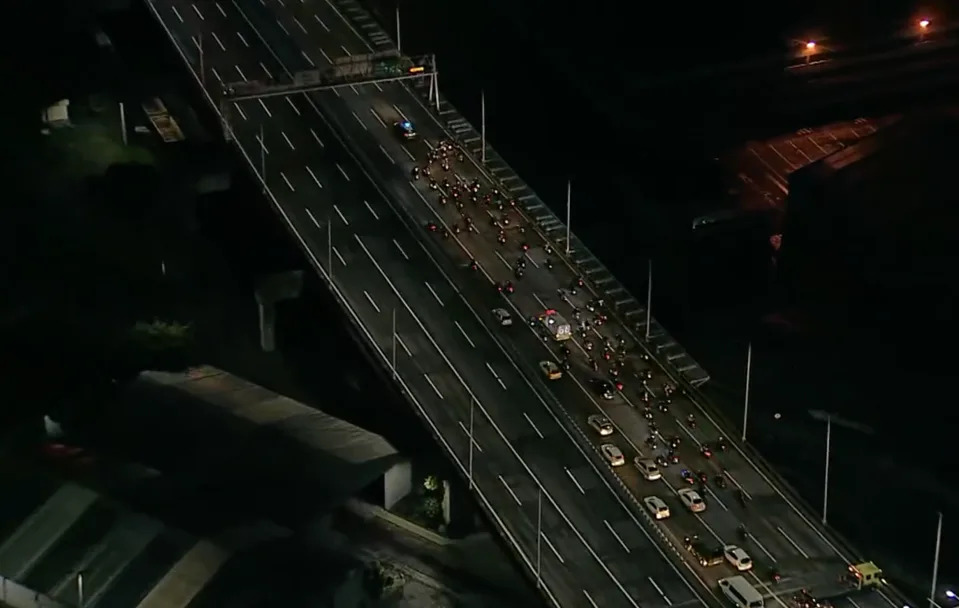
[
  {"x": 457, "y": 508},
  {"x": 269, "y": 291}
]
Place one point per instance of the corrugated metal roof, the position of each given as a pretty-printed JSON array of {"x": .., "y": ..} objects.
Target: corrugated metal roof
[{"x": 338, "y": 456}]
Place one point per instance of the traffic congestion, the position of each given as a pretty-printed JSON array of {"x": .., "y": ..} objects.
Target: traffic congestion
[{"x": 733, "y": 528}]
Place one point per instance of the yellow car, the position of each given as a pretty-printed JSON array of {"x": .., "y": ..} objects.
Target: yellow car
[{"x": 551, "y": 370}]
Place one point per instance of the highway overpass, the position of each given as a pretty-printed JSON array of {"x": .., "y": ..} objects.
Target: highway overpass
[{"x": 335, "y": 170}]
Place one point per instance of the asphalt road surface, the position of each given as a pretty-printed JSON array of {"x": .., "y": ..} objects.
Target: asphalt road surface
[
  {"x": 590, "y": 544},
  {"x": 362, "y": 219}
]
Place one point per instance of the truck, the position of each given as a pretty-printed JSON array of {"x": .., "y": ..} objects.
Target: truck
[
  {"x": 556, "y": 325},
  {"x": 857, "y": 578}
]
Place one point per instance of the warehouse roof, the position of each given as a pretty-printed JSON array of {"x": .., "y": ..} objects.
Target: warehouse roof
[{"x": 264, "y": 437}]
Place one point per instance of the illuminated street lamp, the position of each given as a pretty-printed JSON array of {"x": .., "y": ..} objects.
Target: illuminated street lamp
[
  {"x": 923, "y": 28},
  {"x": 810, "y": 49}
]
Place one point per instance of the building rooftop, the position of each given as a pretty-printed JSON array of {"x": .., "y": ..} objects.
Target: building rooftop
[{"x": 235, "y": 428}]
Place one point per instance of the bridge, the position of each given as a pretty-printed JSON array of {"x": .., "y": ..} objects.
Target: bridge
[{"x": 418, "y": 267}]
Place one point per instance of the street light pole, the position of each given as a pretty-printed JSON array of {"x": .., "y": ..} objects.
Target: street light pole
[
  {"x": 79, "y": 590},
  {"x": 825, "y": 485},
  {"x": 539, "y": 536},
  {"x": 649, "y": 297},
  {"x": 935, "y": 564},
  {"x": 393, "y": 363},
  {"x": 199, "y": 45},
  {"x": 436, "y": 87},
  {"x": 569, "y": 210},
  {"x": 483, "y": 126},
  {"x": 262, "y": 157},
  {"x": 749, "y": 370},
  {"x": 471, "y": 445},
  {"x": 399, "y": 45},
  {"x": 123, "y": 123}
]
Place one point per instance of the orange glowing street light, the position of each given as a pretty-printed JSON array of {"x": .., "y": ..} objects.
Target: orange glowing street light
[
  {"x": 811, "y": 45},
  {"x": 923, "y": 28}
]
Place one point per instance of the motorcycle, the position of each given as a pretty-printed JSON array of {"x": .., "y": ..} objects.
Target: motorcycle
[
  {"x": 742, "y": 533},
  {"x": 687, "y": 476},
  {"x": 720, "y": 482}
]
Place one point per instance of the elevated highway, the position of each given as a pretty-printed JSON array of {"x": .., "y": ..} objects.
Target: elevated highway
[{"x": 333, "y": 167}]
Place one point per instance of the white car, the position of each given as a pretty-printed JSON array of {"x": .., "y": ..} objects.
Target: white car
[
  {"x": 648, "y": 468},
  {"x": 600, "y": 424},
  {"x": 738, "y": 558},
  {"x": 503, "y": 317},
  {"x": 657, "y": 507},
  {"x": 613, "y": 454},
  {"x": 693, "y": 501}
]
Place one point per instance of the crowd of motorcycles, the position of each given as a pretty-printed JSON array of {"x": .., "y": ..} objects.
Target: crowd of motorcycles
[{"x": 608, "y": 352}]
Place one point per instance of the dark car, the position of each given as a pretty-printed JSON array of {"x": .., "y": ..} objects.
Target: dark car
[
  {"x": 405, "y": 129},
  {"x": 704, "y": 554},
  {"x": 604, "y": 388}
]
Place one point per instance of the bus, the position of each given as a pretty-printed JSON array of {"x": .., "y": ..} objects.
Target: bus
[{"x": 738, "y": 591}]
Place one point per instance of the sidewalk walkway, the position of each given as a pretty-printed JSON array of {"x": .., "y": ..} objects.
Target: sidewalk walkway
[{"x": 466, "y": 567}]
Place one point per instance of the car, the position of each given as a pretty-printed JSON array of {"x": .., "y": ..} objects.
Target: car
[
  {"x": 613, "y": 454},
  {"x": 648, "y": 468},
  {"x": 604, "y": 388},
  {"x": 551, "y": 370},
  {"x": 502, "y": 317},
  {"x": 601, "y": 425},
  {"x": 656, "y": 507},
  {"x": 705, "y": 555},
  {"x": 405, "y": 129},
  {"x": 738, "y": 558},
  {"x": 693, "y": 501}
]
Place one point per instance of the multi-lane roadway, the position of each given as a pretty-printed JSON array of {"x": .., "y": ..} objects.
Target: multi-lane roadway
[
  {"x": 340, "y": 177},
  {"x": 592, "y": 545}
]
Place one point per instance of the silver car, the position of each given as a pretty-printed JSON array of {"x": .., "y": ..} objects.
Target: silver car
[
  {"x": 600, "y": 424},
  {"x": 613, "y": 454},
  {"x": 648, "y": 468}
]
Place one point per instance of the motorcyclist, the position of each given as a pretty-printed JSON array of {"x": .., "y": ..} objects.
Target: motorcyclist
[
  {"x": 741, "y": 531},
  {"x": 474, "y": 265},
  {"x": 691, "y": 421},
  {"x": 415, "y": 173}
]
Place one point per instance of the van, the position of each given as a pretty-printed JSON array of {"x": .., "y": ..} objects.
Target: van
[{"x": 738, "y": 591}]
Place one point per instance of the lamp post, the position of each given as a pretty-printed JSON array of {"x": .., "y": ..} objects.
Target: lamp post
[{"x": 749, "y": 370}]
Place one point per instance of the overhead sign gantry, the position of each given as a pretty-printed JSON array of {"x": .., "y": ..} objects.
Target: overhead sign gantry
[{"x": 346, "y": 71}]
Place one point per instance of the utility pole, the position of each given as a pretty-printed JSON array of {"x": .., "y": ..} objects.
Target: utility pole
[
  {"x": 749, "y": 370},
  {"x": 649, "y": 298},
  {"x": 436, "y": 87},
  {"x": 569, "y": 211},
  {"x": 483, "y": 126},
  {"x": 471, "y": 445},
  {"x": 935, "y": 564},
  {"x": 394, "y": 344},
  {"x": 825, "y": 485},
  {"x": 123, "y": 123},
  {"x": 539, "y": 536},
  {"x": 399, "y": 44}
]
